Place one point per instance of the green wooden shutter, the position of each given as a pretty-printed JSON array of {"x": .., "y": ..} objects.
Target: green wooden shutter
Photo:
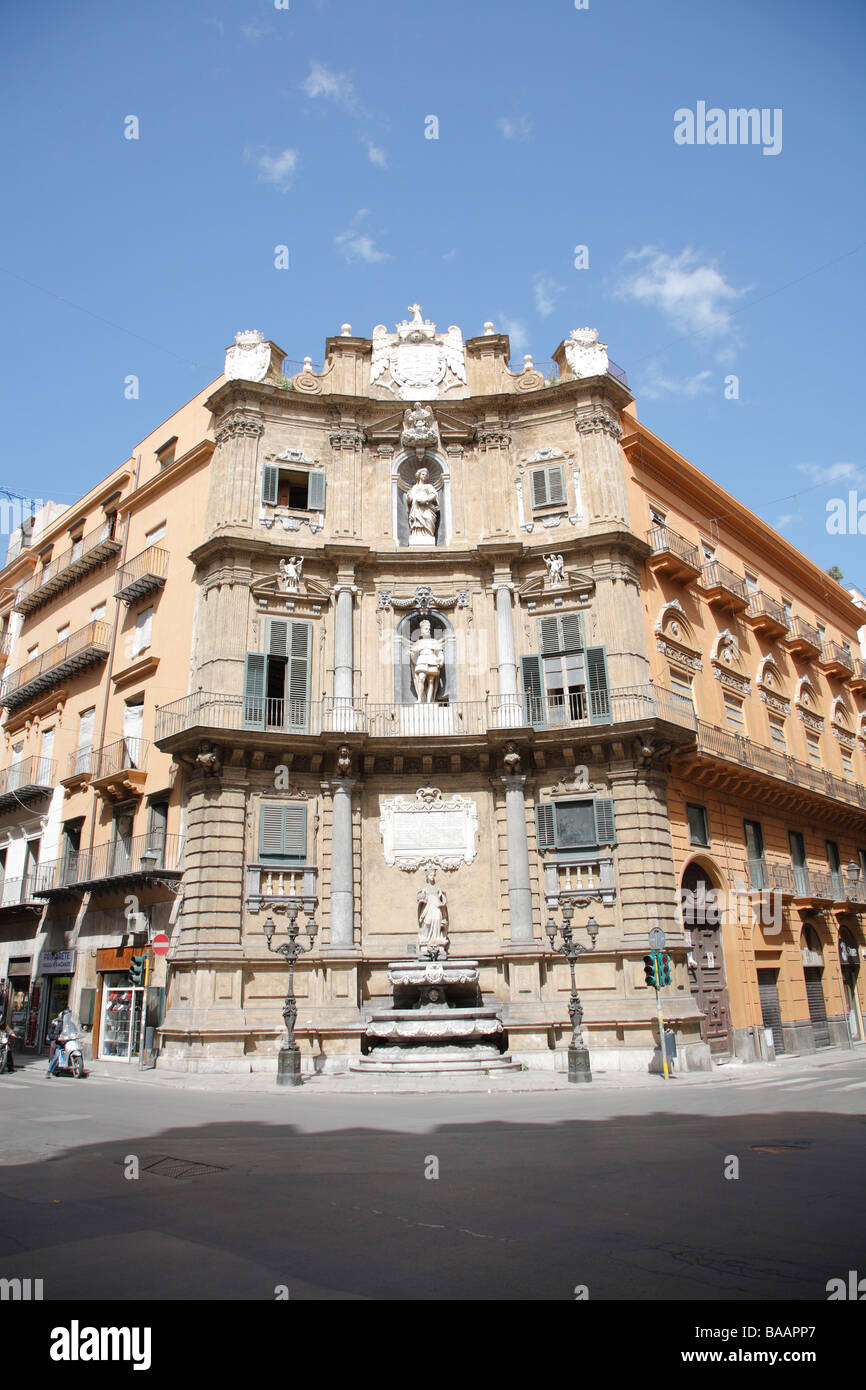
[
  {"x": 538, "y": 478},
  {"x": 316, "y": 492},
  {"x": 605, "y": 826},
  {"x": 277, "y": 637},
  {"x": 270, "y": 484},
  {"x": 271, "y": 831},
  {"x": 599, "y": 697},
  {"x": 295, "y": 832},
  {"x": 254, "y": 691},
  {"x": 533, "y": 691},
  {"x": 298, "y": 684},
  {"x": 556, "y": 484},
  {"x": 545, "y": 827},
  {"x": 560, "y": 633}
]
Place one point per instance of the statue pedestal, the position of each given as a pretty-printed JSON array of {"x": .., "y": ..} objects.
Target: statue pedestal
[
  {"x": 422, "y": 540},
  {"x": 425, "y": 720},
  {"x": 439, "y": 1022}
]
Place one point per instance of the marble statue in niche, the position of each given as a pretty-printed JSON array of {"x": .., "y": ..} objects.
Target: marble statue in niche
[
  {"x": 426, "y": 658},
  {"x": 423, "y": 504}
]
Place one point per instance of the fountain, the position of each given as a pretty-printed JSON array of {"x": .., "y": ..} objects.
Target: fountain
[{"x": 439, "y": 1021}]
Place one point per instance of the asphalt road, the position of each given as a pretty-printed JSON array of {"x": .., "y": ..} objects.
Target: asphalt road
[{"x": 622, "y": 1190}]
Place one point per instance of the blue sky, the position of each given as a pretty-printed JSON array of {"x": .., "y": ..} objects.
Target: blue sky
[{"x": 305, "y": 127}]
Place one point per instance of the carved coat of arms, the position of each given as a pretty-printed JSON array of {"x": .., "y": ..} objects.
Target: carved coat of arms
[
  {"x": 250, "y": 357},
  {"x": 585, "y": 355},
  {"x": 415, "y": 362}
]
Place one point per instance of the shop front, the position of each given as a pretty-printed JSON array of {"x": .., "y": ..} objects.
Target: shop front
[
  {"x": 121, "y": 1005},
  {"x": 57, "y": 970},
  {"x": 17, "y": 994}
]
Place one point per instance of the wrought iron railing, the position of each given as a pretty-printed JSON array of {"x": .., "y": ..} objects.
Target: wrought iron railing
[
  {"x": 715, "y": 575},
  {"x": 420, "y": 720},
  {"x": 664, "y": 541},
  {"x": 833, "y": 654},
  {"x": 42, "y": 671},
  {"x": 122, "y": 755},
  {"x": 119, "y": 858},
  {"x": 29, "y": 772},
  {"x": 762, "y": 605},
  {"x": 80, "y": 557},
  {"x": 801, "y": 631},
  {"x": 737, "y": 748},
  {"x": 142, "y": 572}
]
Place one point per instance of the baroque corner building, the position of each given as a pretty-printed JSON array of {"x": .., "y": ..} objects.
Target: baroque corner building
[{"x": 416, "y": 623}]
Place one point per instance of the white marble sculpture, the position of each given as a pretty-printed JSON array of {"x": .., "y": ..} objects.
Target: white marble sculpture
[
  {"x": 415, "y": 361},
  {"x": 249, "y": 358},
  {"x": 290, "y": 573},
  {"x": 423, "y": 504},
  {"x": 426, "y": 658},
  {"x": 432, "y": 918},
  {"x": 555, "y": 571},
  {"x": 585, "y": 355},
  {"x": 419, "y": 429}
]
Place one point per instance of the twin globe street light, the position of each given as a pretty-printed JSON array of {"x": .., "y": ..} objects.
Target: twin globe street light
[{"x": 578, "y": 1053}]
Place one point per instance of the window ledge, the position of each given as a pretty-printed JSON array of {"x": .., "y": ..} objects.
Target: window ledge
[{"x": 137, "y": 671}]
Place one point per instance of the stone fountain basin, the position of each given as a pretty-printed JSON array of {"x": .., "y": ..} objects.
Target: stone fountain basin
[
  {"x": 433, "y": 972},
  {"x": 446, "y": 1024}
]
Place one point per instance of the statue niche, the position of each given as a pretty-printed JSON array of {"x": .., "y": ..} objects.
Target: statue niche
[
  {"x": 424, "y": 660},
  {"x": 420, "y": 502}
]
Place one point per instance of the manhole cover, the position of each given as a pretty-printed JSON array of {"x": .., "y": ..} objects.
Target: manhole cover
[
  {"x": 782, "y": 1146},
  {"x": 180, "y": 1168}
]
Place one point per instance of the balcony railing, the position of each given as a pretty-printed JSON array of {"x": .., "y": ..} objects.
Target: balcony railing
[
  {"x": 419, "y": 720},
  {"x": 803, "y": 637},
  {"x": 81, "y": 649},
  {"x": 125, "y": 755},
  {"x": 673, "y": 552},
  {"x": 30, "y": 777},
  {"x": 813, "y": 884},
  {"x": 836, "y": 660},
  {"x": 767, "y": 875},
  {"x": 721, "y": 585},
  {"x": 135, "y": 857},
  {"x": 141, "y": 575},
  {"x": 858, "y": 677},
  {"x": 82, "y": 556},
  {"x": 766, "y": 613},
  {"x": 580, "y": 876},
  {"x": 737, "y": 748},
  {"x": 17, "y": 891},
  {"x": 270, "y": 885}
]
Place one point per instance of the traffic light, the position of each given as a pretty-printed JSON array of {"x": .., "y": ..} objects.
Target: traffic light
[
  {"x": 650, "y": 970},
  {"x": 665, "y": 968},
  {"x": 136, "y": 970}
]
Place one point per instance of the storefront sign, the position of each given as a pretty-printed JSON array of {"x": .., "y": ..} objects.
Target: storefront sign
[{"x": 58, "y": 962}]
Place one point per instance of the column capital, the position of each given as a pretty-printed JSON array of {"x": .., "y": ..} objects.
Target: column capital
[
  {"x": 341, "y": 784},
  {"x": 514, "y": 781}
]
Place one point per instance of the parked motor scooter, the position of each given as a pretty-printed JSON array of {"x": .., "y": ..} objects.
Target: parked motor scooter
[
  {"x": 69, "y": 1057},
  {"x": 6, "y": 1063}
]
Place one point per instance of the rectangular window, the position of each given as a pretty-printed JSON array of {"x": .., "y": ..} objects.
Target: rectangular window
[
  {"x": 282, "y": 833},
  {"x": 755, "y": 852},
  {"x": 547, "y": 486},
  {"x": 277, "y": 681},
  {"x": 834, "y": 864},
  {"x": 133, "y": 723},
  {"x": 798, "y": 859},
  {"x": 847, "y": 762},
  {"x": 85, "y": 741},
  {"x": 151, "y": 537},
  {"x": 287, "y": 487},
  {"x": 657, "y": 517},
  {"x": 63, "y": 633},
  {"x": 141, "y": 636},
  {"x": 156, "y": 828},
  {"x": 77, "y": 544},
  {"x": 575, "y": 825},
  {"x": 751, "y": 583},
  {"x": 46, "y": 756},
  {"x": 777, "y": 733},
  {"x": 166, "y": 452},
  {"x": 97, "y": 613},
  {"x": 681, "y": 682},
  {"x": 813, "y": 746},
  {"x": 734, "y": 714},
  {"x": 708, "y": 551},
  {"x": 699, "y": 830}
]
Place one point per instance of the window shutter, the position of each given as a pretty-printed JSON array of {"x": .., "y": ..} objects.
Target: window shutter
[
  {"x": 300, "y": 645},
  {"x": 157, "y": 828},
  {"x": 316, "y": 492},
  {"x": 605, "y": 826},
  {"x": 295, "y": 834},
  {"x": 544, "y": 826},
  {"x": 556, "y": 484},
  {"x": 270, "y": 484},
  {"x": 599, "y": 698},
  {"x": 533, "y": 697},
  {"x": 271, "y": 830},
  {"x": 277, "y": 640},
  {"x": 254, "y": 691},
  {"x": 560, "y": 633},
  {"x": 539, "y": 486}
]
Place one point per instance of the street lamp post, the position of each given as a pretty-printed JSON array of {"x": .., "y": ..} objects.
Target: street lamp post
[
  {"x": 289, "y": 1060},
  {"x": 578, "y": 1053}
]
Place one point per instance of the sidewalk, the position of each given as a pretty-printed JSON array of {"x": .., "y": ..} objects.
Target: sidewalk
[{"x": 354, "y": 1083}]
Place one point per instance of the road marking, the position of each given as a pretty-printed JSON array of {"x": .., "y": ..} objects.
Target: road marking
[{"x": 57, "y": 1119}]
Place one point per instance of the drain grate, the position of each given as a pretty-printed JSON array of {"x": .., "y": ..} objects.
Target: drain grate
[
  {"x": 180, "y": 1168},
  {"x": 782, "y": 1146}
]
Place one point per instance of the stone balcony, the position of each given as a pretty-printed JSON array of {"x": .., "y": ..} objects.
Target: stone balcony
[
  {"x": 673, "y": 555},
  {"x": 767, "y": 615},
  {"x": 143, "y": 574},
  {"x": 803, "y": 640},
  {"x": 836, "y": 660},
  {"x": 724, "y": 589},
  {"x": 280, "y": 887},
  {"x": 753, "y": 763}
]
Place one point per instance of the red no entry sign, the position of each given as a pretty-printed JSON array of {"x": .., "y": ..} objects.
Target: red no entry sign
[{"x": 160, "y": 944}]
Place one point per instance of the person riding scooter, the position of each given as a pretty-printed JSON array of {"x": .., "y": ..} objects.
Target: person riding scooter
[
  {"x": 7, "y": 1061},
  {"x": 66, "y": 1044}
]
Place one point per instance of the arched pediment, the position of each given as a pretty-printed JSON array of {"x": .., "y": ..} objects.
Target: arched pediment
[
  {"x": 675, "y": 638},
  {"x": 771, "y": 685},
  {"x": 807, "y": 705},
  {"x": 727, "y": 663}
]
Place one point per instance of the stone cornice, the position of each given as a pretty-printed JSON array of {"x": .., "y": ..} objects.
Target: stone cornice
[{"x": 166, "y": 478}]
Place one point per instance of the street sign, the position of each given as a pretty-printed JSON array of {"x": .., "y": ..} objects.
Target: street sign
[
  {"x": 657, "y": 939},
  {"x": 160, "y": 944}
]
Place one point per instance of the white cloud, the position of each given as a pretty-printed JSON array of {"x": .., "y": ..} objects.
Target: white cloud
[
  {"x": 830, "y": 472},
  {"x": 656, "y": 384},
  {"x": 516, "y": 330},
  {"x": 333, "y": 86},
  {"x": 277, "y": 169},
  {"x": 547, "y": 291},
  {"x": 693, "y": 295},
  {"x": 515, "y": 127},
  {"x": 376, "y": 155},
  {"x": 449, "y": 255},
  {"x": 786, "y": 519},
  {"x": 253, "y": 31},
  {"x": 355, "y": 245}
]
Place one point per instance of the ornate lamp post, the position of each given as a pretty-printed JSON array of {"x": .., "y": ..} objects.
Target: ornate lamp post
[
  {"x": 852, "y": 872},
  {"x": 289, "y": 1061},
  {"x": 578, "y": 1053}
]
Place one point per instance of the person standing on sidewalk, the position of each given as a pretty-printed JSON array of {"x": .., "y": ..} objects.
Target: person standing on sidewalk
[{"x": 53, "y": 1036}]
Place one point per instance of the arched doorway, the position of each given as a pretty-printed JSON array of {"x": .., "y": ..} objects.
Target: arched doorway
[
  {"x": 702, "y": 922},
  {"x": 812, "y": 956},
  {"x": 849, "y": 961}
]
